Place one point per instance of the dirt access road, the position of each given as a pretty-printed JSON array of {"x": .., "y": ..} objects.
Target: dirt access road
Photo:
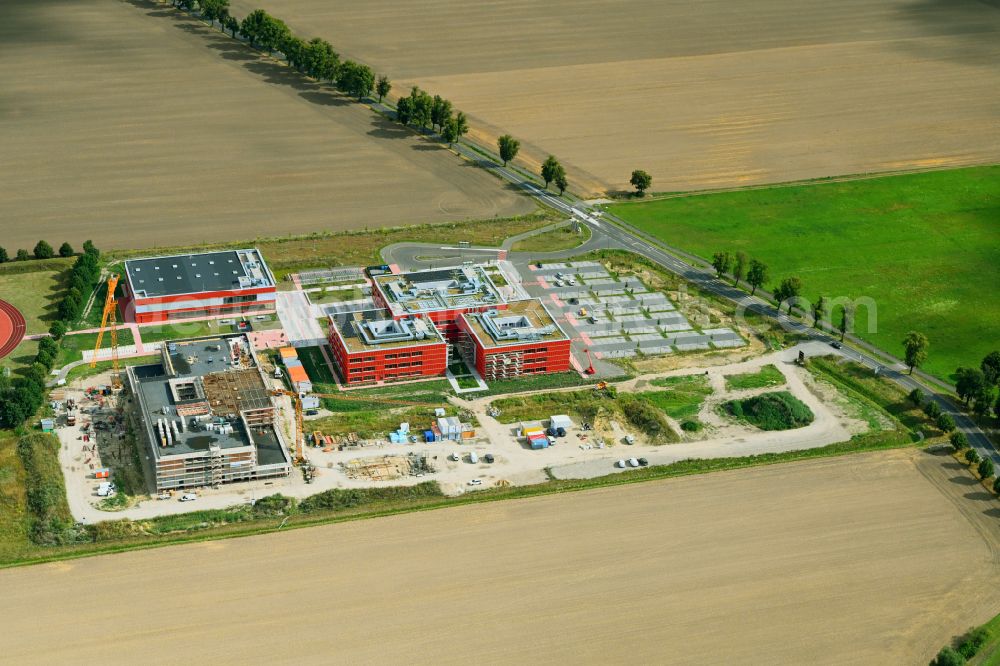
[
  {"x": 124, "y": 122},
  {"x": 874, "y": 558},
  {"x": 700, "y": 94}
]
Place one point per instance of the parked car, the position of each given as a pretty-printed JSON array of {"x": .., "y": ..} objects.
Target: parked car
[
  {"x": 632, "y": 462},
  {"x": 489, "y": 458},
  {"x": 643, "y": 462},
  {"x": 560, "y": 432},
  {"x": 476, "y": 482},
  {"x": 188, "y": 497},
  {"x": 629, "y": 439},
  {"x": 620, "y": 464},
  {"x": 456, "y": 456},
  {"x": 163, "y": 496}
]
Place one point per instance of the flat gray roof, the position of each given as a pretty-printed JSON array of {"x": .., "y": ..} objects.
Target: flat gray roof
[{"x": 197, "y": 273}]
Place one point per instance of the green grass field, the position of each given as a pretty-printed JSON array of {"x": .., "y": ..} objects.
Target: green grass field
[
  {"x": 925, "y": 247},
  {"x": 73, "y": 346},
  {"x": 36, "y": 294},
  {"x": 766, "y": 376},
  {"x": 184, "y": 329},
  {"x": 683, "y": 397},
  {"x": 315, "y": 365}
]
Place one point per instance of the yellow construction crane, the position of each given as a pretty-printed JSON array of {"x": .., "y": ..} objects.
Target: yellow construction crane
[{"x": 108, "y": 322}]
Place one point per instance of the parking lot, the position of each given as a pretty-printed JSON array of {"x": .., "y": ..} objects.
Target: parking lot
[{"x": 618, "y": 318}]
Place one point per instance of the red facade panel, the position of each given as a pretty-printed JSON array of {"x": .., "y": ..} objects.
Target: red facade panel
[{"x": 390, "y": 364}]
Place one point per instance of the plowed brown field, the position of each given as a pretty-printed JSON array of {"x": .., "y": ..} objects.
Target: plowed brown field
[
  {"x": 866, "y": 559},
  {"x": 131, "y": 125},
  {"x": 704, "y": 94}
]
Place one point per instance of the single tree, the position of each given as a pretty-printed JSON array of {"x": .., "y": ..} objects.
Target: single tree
[
  {"x": 983, "y": 402},
  {"x": 44, "y": 251},
  {"x": 421, "y": 104},
  {"x": 721, "y": 262},
  {"x": 66, "y": 250},
  {"x": 986, "y": 468},
  {"x": 4, "y": 258},
  {"x": 508, "y": 147},
  {"x": 461, "y": 124},
  {"x": 970, "y": 383},
  {"x": 254, "y": 25},
  {"x": 404, "y": 110},
  {"x": 959, "y": 441},
  {"x": 945, "y": 423},
  {"x": 972, "y": 456},
  {"x": 788, "y": 291},
  {"x": 450, "y": 131},
  {"x": 846, "y": 320},
  {"x": 559, "y": 179},
  {"x": 382, "y": 87},
  {"x": 22, "y": 255},
  {"x": 739, "y": 267},
  {"x": 915, "y": 345},
  {"x": 213, "y": 10},
  {"x": 230, "y": 23},
  {"x": 819, "y": 311},
  {"x": 321, "y": 61},
  {"x": 440, "y": 112},
  {"x": 641, "y": 181},
  {"x": 549, "y": 170},
  {"x": 756, "y": 275},
  {"x": 57, "y": 329},
  {"x": 916, "y": 397},
  {"x": 296, "y": 52},
  {"x": 991, "y": 367},
  {"x": 90, "y": 249}
]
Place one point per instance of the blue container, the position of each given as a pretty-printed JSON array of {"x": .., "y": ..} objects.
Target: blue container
[{"x": 429, "y": 436}]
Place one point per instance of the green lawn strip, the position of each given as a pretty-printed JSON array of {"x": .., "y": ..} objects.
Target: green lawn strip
[
  {"x": 563, "y": 238},
  {"x": 378, "y": 421},
  {"x": 779, "y": 410},
  {"x": 315, "y": 365},
  {"x": 83, "y": 371},
  {"x": 922, "y": 246},
  {"x": 336, "y": 295},
  {"x": 858, "y": 380},
  {"x": 683, "y": 398},
  {"x": 183, "y": 329},
  {"x": 21, "y": 358},
  {"x": 768, "y": 375},
  {"x": 543, "y": 382},
  {"x": 586, "y": 406},
  {"x": 433, "y": 393},
  {"x": 72, "y": 346}
]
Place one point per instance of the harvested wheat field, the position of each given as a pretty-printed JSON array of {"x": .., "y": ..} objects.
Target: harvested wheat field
[
  {"x": 126, "y": 123},
  {"x": 700, "y": 94},
  {"x": 875, "y": 558}
]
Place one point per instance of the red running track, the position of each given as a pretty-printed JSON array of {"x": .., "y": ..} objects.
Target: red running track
[{"x": 11, "y": 328}]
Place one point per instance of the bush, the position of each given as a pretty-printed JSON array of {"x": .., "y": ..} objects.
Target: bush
[
  {"x": 985, "y": 468},
  {"x": 645, "y": 417},
  {"x": 274, "y": 505},
  {"x": 23, "y": 255},
  {"x": 971, "y": 456},
  {"x": 973, "y": 642},
  {"x": 66, "y": 250},
  {"x": 57, "y": 330},
  {"x": 772, "y": 411},
  {"x": 691, "y": 426},
  {"x": 339, "y": 499},
  {"x": 948, "y": 656},
  {"x": 932, "y": 409},
  {"x": 43, "y": 250},
  {"x": 52, "y": 523},
  {"x": 115, "y": 530},
  {"x": 945, "y": 423},
  {"x": 959, "y": 441},
  {"x": 916, "y": 397}
]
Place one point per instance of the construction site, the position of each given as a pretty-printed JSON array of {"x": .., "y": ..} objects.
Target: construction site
[{"x": 207, "y": 415}]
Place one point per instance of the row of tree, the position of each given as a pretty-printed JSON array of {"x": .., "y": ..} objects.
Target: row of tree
[
  {"x": 21, "y": 398},
  {"x": 419, "y": 109},
  {"x": 42, "y": 251}
]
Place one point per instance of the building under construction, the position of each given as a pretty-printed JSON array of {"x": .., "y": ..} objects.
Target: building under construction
[{"x": 207, "y": 414}]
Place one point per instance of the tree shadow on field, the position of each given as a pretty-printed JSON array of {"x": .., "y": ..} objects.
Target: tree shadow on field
[
  {"x": 324, "y": 98},
  {"x": 386, "y": 129},
  {"x": 964, "y": 31},
  {"x": 963, "y": 480},
  {"x": 231, "y": 50},
  {"x": 981, "y": 496},
  {"x": 992, "y": 513}
]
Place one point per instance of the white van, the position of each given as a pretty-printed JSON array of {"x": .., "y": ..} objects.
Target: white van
[
  {"x": 473, "y": 458},
  {"x": 105, "y": 489}
]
